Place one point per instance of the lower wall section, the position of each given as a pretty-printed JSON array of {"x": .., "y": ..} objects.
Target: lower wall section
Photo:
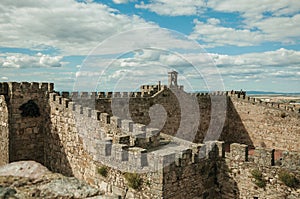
[
  {"x": 4, "y": 132},
  {"x": 199, "y": 180}
]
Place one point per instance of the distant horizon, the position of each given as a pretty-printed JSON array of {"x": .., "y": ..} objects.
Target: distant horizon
[{"x": 248, "y": 92}]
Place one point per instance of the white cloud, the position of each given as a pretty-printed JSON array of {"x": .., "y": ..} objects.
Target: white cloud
[
  {"x": 122, "y": 1},
  {"x": 266, "y": 30},
  {"x": 249, "y": 8},
  {"x": 254, "y": 10},
  {"x": 281, "y": 63},
  {"x": 17, "y": 60},
  {"x": 260, "y": 21},
  {"x": 173, "y": 8},
  {"x": 281, "y": 58},
  {"x": 70, "y": 26},
  {"x": 217, "y": 35},
  {"x": 4, "y": 78}
]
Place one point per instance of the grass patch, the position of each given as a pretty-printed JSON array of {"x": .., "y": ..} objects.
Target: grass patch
[
  {"x": 288, "y": 179},
  {"x": 134, "y": 180},
  {"x": 257, "y": 175},
  {"x": 103, "y": 171}
]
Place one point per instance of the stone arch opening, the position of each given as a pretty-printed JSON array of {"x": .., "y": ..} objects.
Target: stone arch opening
[{"x": 30, "y": 109}]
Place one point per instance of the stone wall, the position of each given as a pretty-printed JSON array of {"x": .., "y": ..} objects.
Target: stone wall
[
  {"x": 187, "y": 116},
  {"x": 197, "y": 174},
  {"x": 83, "y": 140},
  {"x": 268, "y": 125},
  {"x": 28, "y": 111},
  {"x": 77, "y": 146},
  {"x": 247, "y": 120},
  {"x": 4, "y": 132},
  {"x": 241, "y": 164}
]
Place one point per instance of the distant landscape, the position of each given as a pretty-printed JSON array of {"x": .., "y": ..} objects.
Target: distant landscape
[{"x": 272, "y": 93}]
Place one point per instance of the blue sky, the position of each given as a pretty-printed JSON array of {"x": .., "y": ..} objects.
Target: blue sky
[{"x": 248, "y": 44}]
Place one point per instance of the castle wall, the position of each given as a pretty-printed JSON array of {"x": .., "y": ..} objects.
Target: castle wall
[
  {"x": 240, "y": 165},
  {"x": 27, "y": 131},
  {"x": 77, "y": 147},
  {"x": 4, "y": 132},
  {"x": 269, "y": 126},
  {"x": 197, "y": 175},
  {"x": 180, "y": 110},
  {"x": 246, "y": 121},
  {"x": 77, "y": 141}
]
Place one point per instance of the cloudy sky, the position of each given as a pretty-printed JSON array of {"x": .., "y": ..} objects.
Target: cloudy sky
[{"x": 236, "y": 44}]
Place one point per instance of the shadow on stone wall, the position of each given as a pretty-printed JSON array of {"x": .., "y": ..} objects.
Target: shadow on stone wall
[
  {"x": 55, "y": 158},
  {"x": 138, "y": 110},
  {"x": 207, "y": 179},
  {"x": 35, "y": 138},
  {"x": 26, "y": 133},
  {"x": 234, "y": 130}
]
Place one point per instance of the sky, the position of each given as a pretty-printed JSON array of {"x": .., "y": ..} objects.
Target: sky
[{"x": 121, "y": 44}]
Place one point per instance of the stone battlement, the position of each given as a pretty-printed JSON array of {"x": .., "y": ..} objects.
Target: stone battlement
[
  {"x": 5, "y": 87},
  {"x": 105, "y": 95},
  {"x": 129, "y": 143},
  {"x": 242, "y": 96},
  {"x": 132, "y": 145},
  {"x": 263, "y": 157}
]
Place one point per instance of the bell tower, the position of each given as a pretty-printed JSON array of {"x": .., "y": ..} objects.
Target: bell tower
[{"x": 172, "y": 79}]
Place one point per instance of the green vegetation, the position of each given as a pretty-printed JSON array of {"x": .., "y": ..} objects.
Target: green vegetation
[
  {"x": 257, "y": 175},
  {"x": 288, "y": 179},
  {"x": 134, "y": 180},
  {"x": 103, "y": 171}
]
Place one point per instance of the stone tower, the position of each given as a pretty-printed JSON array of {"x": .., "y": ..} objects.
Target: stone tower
[{"x": 172, "y": 79}]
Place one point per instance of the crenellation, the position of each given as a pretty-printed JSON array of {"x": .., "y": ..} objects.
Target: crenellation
[
  {"x": 101, "y": 94},
  {"x": 109, "y": 94},
  {"x": 71, "y": 105},
  {"x": 122, "y": 139},
  {"x": 74, "y": 95},
  {"x": 105, "y": 118},
  {"x": 84, "y": 95},
  {"x": 65, "y": 102},
  {"x": 137, "y": 157},
  {"x": 46, "y": 87},
  {"x": 238, "y": 152},
  {"x": 93, "y": 95},
  {"x": 116, "y": 94},
  {"x": 259, "y": 102},
  {"x": 184, "y": 157},
  {"x": 220, "y": 147},
  {"x": 58, "y": 99},
  {"x": 120, "y": 152},
  {"x": 263, "y": 157},
  {"x": 116, "y": 122},
  {"x": 65, "y": 94},
  {"x": 127, "y": 125},
  {"x": 124, "y": 94},
  {"x": 139, "y": 127},
  {"x": 34, "y": 86},
  {"x": 52, "y": 96}
]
